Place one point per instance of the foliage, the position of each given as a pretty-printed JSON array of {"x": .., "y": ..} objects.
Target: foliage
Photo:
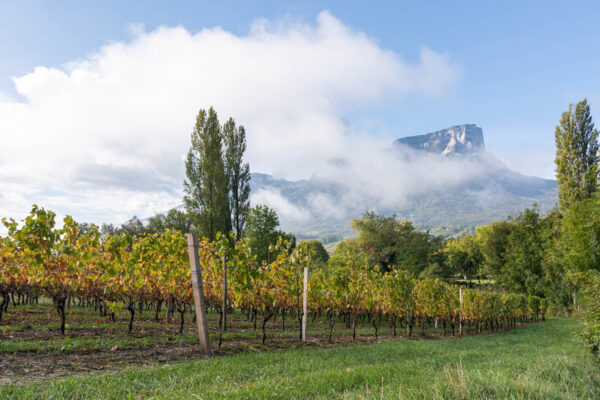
[
  {"x": 173, "y": 220},
  {"x": 133, "y": 227},
  {"x": 520, "y": 253},
  {"x": 590, "y": 305},
  {"x": 348, "y": 252},
  {"x": 206, "y": 186},
  {"x": 523, "y": 270},
  {"x": 217, "y": 188},
  {"x": 580, "y": 236},
  {"x": 320, "y": 256},
  {"x": 262, "y": 232},
  {"x": 465, "y": 256},
  {"x": 494, "y": 243},
  {"x": 389, "y": 242},
  {"x": 123, "y": 270},
  {"x": 238, "y": 175},
  {"x": 576, "y": 155}
]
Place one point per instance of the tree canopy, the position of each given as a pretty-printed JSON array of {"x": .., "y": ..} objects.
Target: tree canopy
[
  {"x": 262, "y": 232},
  {"x": 389, "y": 242},
  {"x": 206, "y": 187},
  {"x": 576, "y": 155}
]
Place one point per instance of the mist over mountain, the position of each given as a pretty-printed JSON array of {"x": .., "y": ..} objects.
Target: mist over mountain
[{"x": 444, "y": 181}]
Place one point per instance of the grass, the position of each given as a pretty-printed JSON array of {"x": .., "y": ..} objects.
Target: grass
[
  {"x": 32, "y": 347},
  {"x": 540, "y": 361}
]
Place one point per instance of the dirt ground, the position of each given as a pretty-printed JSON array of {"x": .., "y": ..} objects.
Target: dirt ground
[
  {"x": 33, "y": 366},
  {"x": 42, "y": 364}
]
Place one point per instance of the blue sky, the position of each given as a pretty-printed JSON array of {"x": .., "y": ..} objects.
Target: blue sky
[
  {"x": 516, "y": 65},
  {"x": 522, "y": 62}
]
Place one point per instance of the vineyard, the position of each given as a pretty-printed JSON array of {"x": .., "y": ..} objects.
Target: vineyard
[{"x": 80, "y": 270}]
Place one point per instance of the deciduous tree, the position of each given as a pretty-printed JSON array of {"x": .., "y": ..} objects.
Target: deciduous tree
[
  {"x": 576, "y": 155},
  {"x": 238, "y": 175},
  {"x": 206, "y": 187}
]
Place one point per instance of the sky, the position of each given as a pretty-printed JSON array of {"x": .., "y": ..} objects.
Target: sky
[{"x": 98, "y": 99}]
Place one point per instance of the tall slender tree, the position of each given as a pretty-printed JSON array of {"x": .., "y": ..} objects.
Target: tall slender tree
[
  {"x": 206, "y": 187},
  {"x": 238, "y": 175},
  {"x": 576, "y": 155}
]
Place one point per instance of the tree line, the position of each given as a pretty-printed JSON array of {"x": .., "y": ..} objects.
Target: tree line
[{"x": 555, "y": 256}]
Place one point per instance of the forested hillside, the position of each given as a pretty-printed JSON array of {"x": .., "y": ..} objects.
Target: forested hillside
[{"x": 471, "y": 188}]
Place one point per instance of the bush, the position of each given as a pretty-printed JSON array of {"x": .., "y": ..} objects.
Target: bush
[{"x": 590, "y": 309}]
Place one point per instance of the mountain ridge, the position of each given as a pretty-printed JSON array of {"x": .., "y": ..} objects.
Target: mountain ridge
[
  {"x": 473, "y": 188},
  {"x": 457, "y": 139}
]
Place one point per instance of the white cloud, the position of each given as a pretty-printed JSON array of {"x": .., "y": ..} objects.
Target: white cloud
[
  {"x": 273, "y": 198},
  {"x": 103, "y": 137},
  {"x": 386, "y": 178}
]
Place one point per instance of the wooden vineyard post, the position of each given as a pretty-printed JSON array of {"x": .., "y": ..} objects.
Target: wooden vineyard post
[
  {"x": 305, "y": 304},
  {"x": 198, "y": 293},
  {"x": 460, "y": 317}
]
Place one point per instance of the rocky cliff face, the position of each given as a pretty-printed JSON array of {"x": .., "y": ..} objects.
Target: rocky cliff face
[{"x": 459, "y": 139}]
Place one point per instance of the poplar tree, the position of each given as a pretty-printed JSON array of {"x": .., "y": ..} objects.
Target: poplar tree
[
  {"x": 206, "y": 187},
  {"x": 576, "y": 155},
  {"x": 238, "y": 175}
]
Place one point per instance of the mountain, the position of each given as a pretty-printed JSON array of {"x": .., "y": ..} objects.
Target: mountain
[
  {"x": 444, "y": 181},
  {"x": 460, "y": 139}
]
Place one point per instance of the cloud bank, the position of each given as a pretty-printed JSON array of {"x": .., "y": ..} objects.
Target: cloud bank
[
  {"x": 104, "y": 137},
  {"x": 372, "y": 177}
]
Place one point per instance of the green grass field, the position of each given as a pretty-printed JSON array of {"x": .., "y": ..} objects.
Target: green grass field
[{"x": 544, "y": 360}]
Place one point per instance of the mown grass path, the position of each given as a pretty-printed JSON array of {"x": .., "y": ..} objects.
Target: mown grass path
[{"x": 540, "y": 361}]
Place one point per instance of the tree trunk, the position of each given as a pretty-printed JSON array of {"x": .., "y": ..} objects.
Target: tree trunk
[
  {"x": 374, "y": 322},
  {"x": 131, "y": 310},
  {"x": 4, "y": 301},
  {"x": 331, "y": 322},
  {"x": 169, "y": 310},
  {"x": 60, "y": 305},
  {"x": 182, "y": 321},
  {"x": 264, "y": 323},
  {"x": 354, "y": 327},
  {"x": 157, "y": 311}
]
